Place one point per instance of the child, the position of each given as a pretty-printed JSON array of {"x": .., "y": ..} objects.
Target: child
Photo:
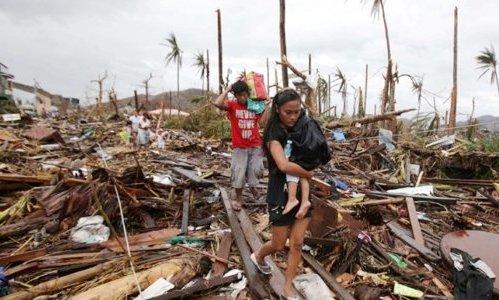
[
  {"x": 126, "y": 133},
  {"x": 292, "y": 183}
]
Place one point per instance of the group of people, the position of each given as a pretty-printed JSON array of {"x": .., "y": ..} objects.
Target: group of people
[
  {"x": 138, "y": 130},
  {"x": 293, "y": 145}
]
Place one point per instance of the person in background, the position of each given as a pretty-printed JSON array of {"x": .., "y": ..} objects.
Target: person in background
[
  {"x": 135, "y": 120},
  {"x": 143, "y": 136},
  {"x": 247, "y": 162}
]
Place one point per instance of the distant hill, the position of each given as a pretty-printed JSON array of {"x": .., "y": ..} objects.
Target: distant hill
[
  {"x": 487, "y": 122},
  {"x": 186, "y": 101}
]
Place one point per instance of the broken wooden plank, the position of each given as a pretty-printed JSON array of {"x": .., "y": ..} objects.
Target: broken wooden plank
[
  {"x": 413, "y": 217},
  {"x": 441, "y": 200},
  {"x": 328, "y": 278},
  {"x": 28, "y": 255},
  {"x": 219, "y": 268},
  {"x": 198, "y": 181},
  {"x": 199, "y": 286},
  {"x": 399, "y": 232},
  {"x": 24, "y": 178},
  {"x": 256, "y": 286},
  {"x": 277, "y": 278},
  {"x": 185, "y": 212},
  {"x": 55, "y": 285},
  {"x": 144, "y": 239}
]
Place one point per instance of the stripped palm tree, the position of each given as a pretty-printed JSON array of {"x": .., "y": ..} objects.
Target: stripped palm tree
[
  {"x": 487, "y": 62},
  {"x": 342, "y": 89},
  {"x": 417, "y": 88},
  {"x": 388, "y": 95},
  {"x": 175, "y": 55},
  {"x": 201, "y": 64}
]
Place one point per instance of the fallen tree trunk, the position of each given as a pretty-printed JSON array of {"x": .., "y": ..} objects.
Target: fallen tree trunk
[
  {"x": 367, "y": 120},
  {"x": 125, "y": 286},
  {"x": 55, "y": 285}
]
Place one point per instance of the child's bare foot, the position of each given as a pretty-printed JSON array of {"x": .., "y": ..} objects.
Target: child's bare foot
[
  {"x": 304, "y": 207},
  {"x": 290, "y": 205}
]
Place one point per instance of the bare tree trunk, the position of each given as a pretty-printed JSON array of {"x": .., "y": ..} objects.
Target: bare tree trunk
[
  {"x": 365, "y": 90},
  {"x": 208, "y": 73},
  {"x": 136, "y": 100},
  {"x": 329, "y": 94},
  {"x": 453, "y": 103},
  {"x": 268, "y": 78},
  {"x": 309, "y": 64},
  {"x": 178, "y": 85},
  {"x": 220, "y": 65},
  {"x": 276, "y": 80},
  {"x": 171, "y": 105},
  {"x": 282, "y": 32}
]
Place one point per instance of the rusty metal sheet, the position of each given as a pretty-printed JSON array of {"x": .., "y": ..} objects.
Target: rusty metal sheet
[
  {"x": 478, "y": 244},
  {"x": 44, "y": 134}
]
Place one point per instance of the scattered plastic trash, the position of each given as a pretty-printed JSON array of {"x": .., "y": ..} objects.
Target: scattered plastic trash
[
  {"x": 88, "y": 133},
  {"x": 163, "y": 179},
  {"x": 190, "y": 241},
  {"x": 338, "y": 135},
  {"x": 403, "y": 290},
  {"x": 4, "y": 284},
  {"x": 419, "y": 190},
  {"x": 103, "y": 154},
  {"x": 377, "y": 279},
  {"x": 398, "y": 260},
  {"x": 386, "y": 137},
  {"x": 445, "y": 141},
  {"x": 159, "y": 287},
  {"x": 215, "y": 195},
  {"x": 90, "y": 230},
  {"x": 235, "y": 287},
  {"x": 341, "y": 185},
  {"x": 312, "y": 287}
]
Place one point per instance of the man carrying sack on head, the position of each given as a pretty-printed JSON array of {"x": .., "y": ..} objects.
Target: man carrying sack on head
[{"x": 247, "y": 163}]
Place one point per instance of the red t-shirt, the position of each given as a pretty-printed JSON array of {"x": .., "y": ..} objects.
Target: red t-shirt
[{"x": 243, "y": 126}]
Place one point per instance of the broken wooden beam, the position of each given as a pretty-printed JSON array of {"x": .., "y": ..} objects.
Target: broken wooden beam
[
  {"x": 400, "y": 233},
  {"x": 328, "y": 278},
  {"x": 256, "y": 286},
  {"x": 277, "y": 278},
  {"x": 218, "y": 268},
  {"x": 185, "y": 211},
  {"x": 441, "y": 200},
  {"x": 196, "y": 180},
  {"x": 413, "y": 217},
  {"x": 55, "y": 285},
  {"x": 199, "y": 286},
  {"x": 387, "y": 116},
  {"x": 126, "y": 286}
]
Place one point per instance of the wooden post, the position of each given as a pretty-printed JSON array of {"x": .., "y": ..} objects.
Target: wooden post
[
  {"x": 136, "y": 100},
  {"x": 220, "y": 65},
  {"x": 255, "y": 283},
  {"x": 208, "y": 73},
  {"x": 282, "y": 33},
  {"x": 365, "y": 91},
  {"x": 268, "y": 78},
  {"x": 413, "y": 217},
  {"x": 453, "y": 102}
]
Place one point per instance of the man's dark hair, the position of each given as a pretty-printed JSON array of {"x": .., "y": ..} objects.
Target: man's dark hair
[{"x": 240, "y": 86}]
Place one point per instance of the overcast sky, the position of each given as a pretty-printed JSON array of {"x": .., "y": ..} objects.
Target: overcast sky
[{"x": 66, "y": 44}]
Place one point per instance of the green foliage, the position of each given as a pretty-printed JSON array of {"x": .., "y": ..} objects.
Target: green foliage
[
  {"x": 491, "y": 144},
  {"x": 207, "y": 120}
]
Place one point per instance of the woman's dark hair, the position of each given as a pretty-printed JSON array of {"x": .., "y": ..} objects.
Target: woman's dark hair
[
  {"x": 274, "y": 128},
  {"x": 240, "y": 86}
]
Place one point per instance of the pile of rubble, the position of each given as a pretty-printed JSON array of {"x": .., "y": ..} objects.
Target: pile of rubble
[{"x": 83, "y": 215}]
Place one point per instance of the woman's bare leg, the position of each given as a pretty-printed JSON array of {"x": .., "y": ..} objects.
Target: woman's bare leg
[
  {"x": 296, "y": 238},
  {"x": 278, "y": 241}
]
